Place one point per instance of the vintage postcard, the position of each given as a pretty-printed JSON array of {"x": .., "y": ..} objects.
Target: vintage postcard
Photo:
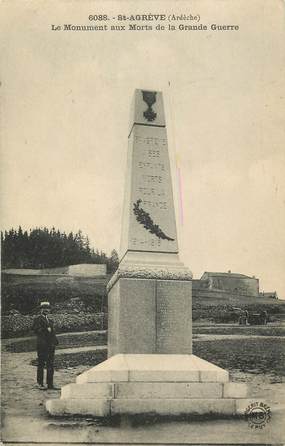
[{"x": 142, "y": 222}]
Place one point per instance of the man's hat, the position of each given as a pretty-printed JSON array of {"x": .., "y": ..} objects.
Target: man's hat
[{"x": 45, "y": 305}]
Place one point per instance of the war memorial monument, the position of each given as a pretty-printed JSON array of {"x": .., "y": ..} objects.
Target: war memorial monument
[{"x": 150, "y": 366}]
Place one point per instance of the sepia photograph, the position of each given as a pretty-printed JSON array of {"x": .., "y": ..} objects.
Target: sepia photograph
[{"x": 142, "y": 222}]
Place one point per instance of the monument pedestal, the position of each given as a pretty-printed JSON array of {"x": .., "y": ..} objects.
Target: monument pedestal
[
  {"x": 150, "y": 316},
  {"x": 160, "y": 384}
]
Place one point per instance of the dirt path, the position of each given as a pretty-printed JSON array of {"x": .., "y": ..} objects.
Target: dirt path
[{"x": 19, "y": 392}]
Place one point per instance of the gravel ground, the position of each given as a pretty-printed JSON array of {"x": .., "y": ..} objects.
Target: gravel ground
[{"x": 25, "y": 417}]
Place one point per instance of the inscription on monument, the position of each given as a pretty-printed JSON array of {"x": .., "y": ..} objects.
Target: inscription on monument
[
  {"x": 151, "y": 141},
  {"x": 152, "y": 199},
  {"x": 168, "y": 314},
  {"x": 158, "y": 166},
  {"x": 173, "y": 316},
  {"x": 152, "y": 178},
  {"x": 151, "y": 191},
  {"x": 149, "y": 209},
  {"x": 151, "y": 242},
  {"x": 155, "y": 204}
]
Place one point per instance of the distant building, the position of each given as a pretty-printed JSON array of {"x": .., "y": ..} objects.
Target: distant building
[{"x": 229, "y": 282}]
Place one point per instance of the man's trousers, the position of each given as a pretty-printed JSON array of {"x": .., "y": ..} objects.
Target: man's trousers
[{"x": 45, "y": 357}]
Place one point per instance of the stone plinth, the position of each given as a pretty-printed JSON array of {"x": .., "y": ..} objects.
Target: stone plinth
[
  {"x": 150, "y": 316},
  {"x": 144, "y": 384}
]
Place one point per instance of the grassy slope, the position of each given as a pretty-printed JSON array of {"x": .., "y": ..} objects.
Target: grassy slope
[
  {"x": 238, "y": 301},
  {"x": 89, "y": 285},
  {"x": 24, "y": 292},
  {"x": 220, "y": 309},
  {"x": 39, "y": 282}
]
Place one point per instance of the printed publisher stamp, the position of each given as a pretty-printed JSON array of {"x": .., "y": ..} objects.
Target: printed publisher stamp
[{"x": 257, "y": 414}]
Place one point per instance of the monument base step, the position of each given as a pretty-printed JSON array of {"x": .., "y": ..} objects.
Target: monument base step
[
  {"x": 154, "y": 368},
  {"x": 154, "y": 390},
  {"x": 171, "y": 407},
  {"x": 160, "y": 384}
]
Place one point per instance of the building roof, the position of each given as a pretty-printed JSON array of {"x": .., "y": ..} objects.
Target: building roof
[{"x": 234, "y": 275}]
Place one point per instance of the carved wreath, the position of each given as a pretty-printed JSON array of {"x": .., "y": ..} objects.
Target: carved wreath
[{"x": 145, "y": 219}]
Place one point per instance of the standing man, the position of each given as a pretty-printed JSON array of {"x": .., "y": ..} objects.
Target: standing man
[{"x": 46, "y": 342}]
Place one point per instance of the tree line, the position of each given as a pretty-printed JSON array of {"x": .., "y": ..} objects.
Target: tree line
[{"x": 49, "y": 248}]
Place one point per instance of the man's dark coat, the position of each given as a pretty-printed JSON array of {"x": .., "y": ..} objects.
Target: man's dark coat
[{"x": 46, "y": 342}]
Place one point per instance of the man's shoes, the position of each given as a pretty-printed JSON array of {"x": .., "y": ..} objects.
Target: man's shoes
[
  {"x": 41, "y": 387},
  {"x": 53, "y": 388}
]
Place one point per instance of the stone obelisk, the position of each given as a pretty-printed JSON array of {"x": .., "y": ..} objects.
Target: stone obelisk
[
  {"x": 150, "y": 294},
  {"x": 151, "y": 368}
]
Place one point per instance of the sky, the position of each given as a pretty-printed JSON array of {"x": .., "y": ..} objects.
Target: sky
[{"x": 65, "y": 113}]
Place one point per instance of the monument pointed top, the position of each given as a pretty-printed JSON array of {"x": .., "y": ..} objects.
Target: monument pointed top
[
  {"x": 147, "y": 108},
  {"x": 149, "y": 218}
]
